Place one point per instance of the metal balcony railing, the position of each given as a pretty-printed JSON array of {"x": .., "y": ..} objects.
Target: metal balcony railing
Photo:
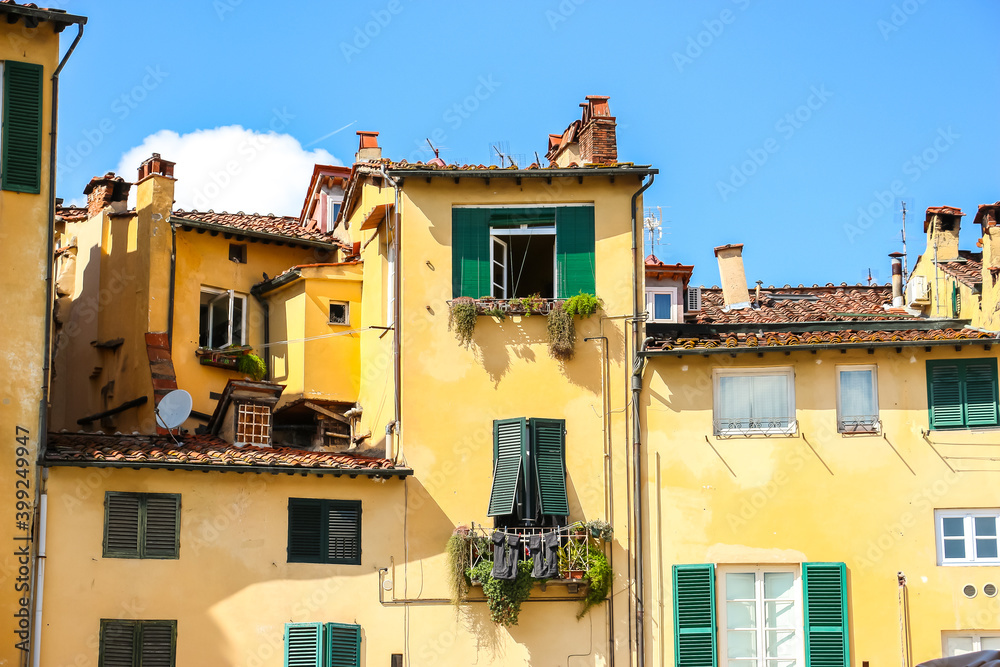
[{"x": 573, "y": 540}]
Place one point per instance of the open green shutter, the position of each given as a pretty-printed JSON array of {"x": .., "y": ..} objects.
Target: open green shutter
[
  {"x": 121, "y": 525},
  {"x": 575, "y": 250},
  {"x": 470, "y": 252},
  {"x": 944, "y": 394},
  {"x": 980, "y": 392},
  {"x": 305, "y": 521},
  {"x": 162, "y": 526},
  {"x": 21, "y": 160},
  {"x": 157, "y": 641},
  {"x": 117, "y": 644},
  {"x": 548, "y": 442},
  {"x": 343, "y": 645},
  {"x": 694, "y": 615},
  {"x": 825, "y": 593},
  {"x": 509, "y": 437},
  {"x": 303, "y": 645}
]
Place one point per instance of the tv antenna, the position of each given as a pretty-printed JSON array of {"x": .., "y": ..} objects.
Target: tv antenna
[
  {"x": 652, "y": 223},
  {"x": 903, "y": 232},
  {"x": 172, "y": 410}
]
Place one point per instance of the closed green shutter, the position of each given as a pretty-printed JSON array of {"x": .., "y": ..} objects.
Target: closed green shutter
[
  {"x": 21, "y": 161},
  {"x": 157, "y": 643},
  {"x": 548, "y": 442},
  {"x": 944, "y": 395},
  {"x": 162, "y": 526},
  {"x": 117, "y": 643},
  {"x": 343, "y": 645},
  {"x": 575, "y": 250},
  {"x": 981, "y": 392},
  {"x": 509, "y": 439},
  {"x": 305, "y": 540},
  {"x": 303, "y": 645},
  {"x": 470, "y": 252},
  {"x": 825, "y": 594},
  {"x": 694, "y": 615},
  {"x": 121, "y": 525},
  {"x": 343, "y": 531}
]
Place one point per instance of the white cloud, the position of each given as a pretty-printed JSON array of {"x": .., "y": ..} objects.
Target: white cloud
[{"x": 232, "y": 169}]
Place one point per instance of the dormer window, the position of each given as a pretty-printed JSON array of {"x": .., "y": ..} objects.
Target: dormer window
[{"x": 663, "y": 305}]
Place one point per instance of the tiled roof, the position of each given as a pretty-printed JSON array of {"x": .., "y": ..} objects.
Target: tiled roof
[
  {"x": 205, "y": 452},
  {"x": 72, "y": 213},
  {"x": 429, "y": 166},
  {"x": 968, "y": 272},
  {"x": 804, "y": 304},
  {"x": 282, "y": 225},
  {"x": 755, "y": 341}
]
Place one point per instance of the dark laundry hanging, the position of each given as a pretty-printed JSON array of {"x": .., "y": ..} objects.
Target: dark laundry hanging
[
  {"x": 545, "y": 555},
  {"x": 506, "y": 550}
]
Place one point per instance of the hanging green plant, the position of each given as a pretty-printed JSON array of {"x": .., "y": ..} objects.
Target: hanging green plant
[
  {"x": 458, "y": 563},
  {"x": 599, "y": 576},
  {"x": 504, "y": 596},
  {"x": 251, "y": 365},
  {"x": 562, "y": 332},
  {"x": 599, "y": 529},
  {"x": 582, "y": 304},
  {"x": 462, "y": 319}
]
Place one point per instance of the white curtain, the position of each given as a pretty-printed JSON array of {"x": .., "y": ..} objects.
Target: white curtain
[
  {"x": 754, "y": 400},
  {"x": 857, "y": 398}
]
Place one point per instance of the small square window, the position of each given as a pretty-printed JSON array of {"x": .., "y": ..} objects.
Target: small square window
[
  {"x": 339, "y": 312},
  {"x": 967, "y": 537},
  {"x": 238, "y": 253}
]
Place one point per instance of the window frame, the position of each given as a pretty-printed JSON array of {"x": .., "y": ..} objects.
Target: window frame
[
  {"x": 977, "y": 637},
  {"x": 141, "y": 551},
  {"x": 347, "y": 313},
  {"x": 719, "y": 373},
  {"x": 759, "y": 570},
  {"x": 333, "y": 206},
  {"x": 969, "y": 536},
  {"x": 521, "y": 230},
  {"x": 676, "y": 308},
  {"x": 324, "y": 538},
  {"x": 139, "y": 625},
  {"x": 876, "y": 425},
  {"x": 233, "y": 296}
]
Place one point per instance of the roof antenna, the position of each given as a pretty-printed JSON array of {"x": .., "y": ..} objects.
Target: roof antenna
[
  {"x": 538, "y": 160},
  {"x": 903, "y": 231},
  {"x": 869, "y": 276},
  {"x": 436, "y": 151},
  {"x": 502, "y": 156}
]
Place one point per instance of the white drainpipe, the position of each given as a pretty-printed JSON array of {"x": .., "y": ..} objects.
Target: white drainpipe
[{"x": 36, "y": 658}]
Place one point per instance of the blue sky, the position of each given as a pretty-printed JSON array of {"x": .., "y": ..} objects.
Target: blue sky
[{"x": 795, "y": 128}]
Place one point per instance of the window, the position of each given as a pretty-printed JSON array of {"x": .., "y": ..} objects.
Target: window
[
  {"x": 761, "y": 615},
  {"x": 967, "y": 537},
  {"x": 339, "y": 312},
  {"x": 21, "y": 156},
  {"x": 322, "y": 645},
  {"x": 238, "y": 253},
  {"x": 662, "y": 305},
  {"x": 223, "y": 318},
  {"x": 138, "y": 643},
  {"x": 857, "y": 400},
  {"x": 529, "y": 472},
  {"x": 545, "y": 250},
  {"x": 751, "y": 401},
  {"x": 962, "y": 393},
  {"x": 332, "y": 211},
  {"x": 253, "y": 424},
  {"x": 141, "y": 525},
  {"x": 967, "y": 642},
  {"x": 324, "y": 531}
]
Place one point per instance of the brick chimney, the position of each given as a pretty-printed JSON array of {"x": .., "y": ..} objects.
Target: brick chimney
[
  {"x": 598, "y": 140},
  {"x": 733, "y": 277},
  {"x": 368, "y": 148},
  {"x": 156, "y": 165},
  {"x": 941, "y": 226},
  {"x": 104, "y": 191}
]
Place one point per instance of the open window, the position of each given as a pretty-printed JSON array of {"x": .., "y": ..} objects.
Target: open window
[
  {"x": 523, "y": 260},
  {"x": 223, "y": 318}
]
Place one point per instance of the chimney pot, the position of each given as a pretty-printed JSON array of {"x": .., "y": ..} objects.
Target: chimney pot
[
  {"x": 734, "y": 281},
  {"x": 368, "y": 148},
  {"x": 598, "y": 132},
  {"x": 897, "y": 279},
  {"x": 156, "y": 165},
  {"x": 104, "y": 191}
]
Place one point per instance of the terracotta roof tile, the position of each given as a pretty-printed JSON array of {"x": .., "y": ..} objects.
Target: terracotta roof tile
[
  {"x": 766, "y": 339},
  {"x": 968, "y": 272},
  {"x": 203, "y": 451},
  {"x": 416, "y": 166},
  {"x": 283, "y": 225},
  {"x": 800, "y": 304}
]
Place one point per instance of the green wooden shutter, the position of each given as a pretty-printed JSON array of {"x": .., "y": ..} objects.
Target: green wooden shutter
[
  {"x": 548, "y": 442},
  {"x": 21, "y": 161},
  {"x": 121, "y": 525},
  {"x": 694, "y": 615},
  {"x": 303, "y": 645},
  {"x": 509, "y": 438},
  {"x": 343, "y": 532},
  {"x": 825, "y": 593},
  {"x": 980, "y": 392},
  {"x": 575, "y": 250},
  {"x": 117, "y": 643},
  {"x": 343, "y": 645},
  {"x": 305, "y": 524},
  {"x": 470, "y": 252},
  {"x": 157, "y": 642},
  {"x": 161, "y": 536},
  {"x": 944, "y": 394}
]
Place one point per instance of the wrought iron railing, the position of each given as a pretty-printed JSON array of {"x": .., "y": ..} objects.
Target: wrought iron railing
[
  {"x": 747, "y": 426},
  {"x": 573, "y": 543},
  {"x": 859, "y": 424}
]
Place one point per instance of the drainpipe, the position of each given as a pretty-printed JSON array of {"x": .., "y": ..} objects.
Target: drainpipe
[
  {"x": 638, "y": 363},
  {"x": 396, "y": 309},
  {"x": 43, "y": 511},
  {"x": 170, "y": 297}
]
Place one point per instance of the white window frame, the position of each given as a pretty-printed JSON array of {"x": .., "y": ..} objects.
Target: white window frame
[
  {"x": 874, "y": 425},
  {"x": 676, "y": 308},
  {"x": 758, "y": 570},
  {"x": 968, "y": 516},
  {"x": 522, "y": 230},
  {"x": 347, "y": 313},
  {"x": 977, "y": 637},
  {"x": 332, "y": 208},
  {"x": 719, "y": 373},
  {"x": 233, "y": 296}
]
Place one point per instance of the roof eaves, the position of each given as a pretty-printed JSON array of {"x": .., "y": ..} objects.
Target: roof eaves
[
  {"x": 860, "y": 345},
  {"x": 595, "y": 170},
  {"x": 385, "y": 473},
  {"x": 239, "y": 231},
  {"x": 57, "y": 16}
]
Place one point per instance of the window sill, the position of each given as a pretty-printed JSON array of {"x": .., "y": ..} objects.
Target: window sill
[
  {"x": 789, "y": 431},
  {"x": 993, "y": 563},
  {"x": 503, "y": 307}
]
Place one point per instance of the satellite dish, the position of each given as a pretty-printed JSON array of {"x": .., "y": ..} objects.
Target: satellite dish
[{"x": 173, "y": 409}]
